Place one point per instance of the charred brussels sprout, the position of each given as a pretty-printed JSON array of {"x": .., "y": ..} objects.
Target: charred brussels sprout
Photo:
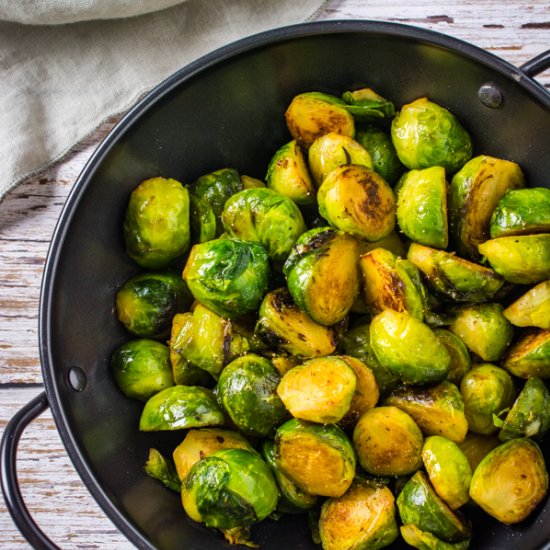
[
  {"x": 422, "y": 206},
  {"x": 228, "y": 276},
  {"x": 230, "y": 488},
  {"x": 142, "y": 368},
  {"x": 530, "y": 356},
  {"x": 357, "y": 200},
  {"x": 364, "y": 517},
  {"x": 425, "y": 134},
  {"x": 424, "y": 540},
  {"x": 366, "y": 104},
  {"x": 156, "y": 223},
  {"x": 510, "y": 481},
  {"x": 322, "y": 274},
  {"x": 532, "y": 309},
  {"x": 461, "y": 362}
]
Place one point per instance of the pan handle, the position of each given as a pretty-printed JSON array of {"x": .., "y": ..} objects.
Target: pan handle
[
  {"x": 10, "y": 486},
  {"x": 535, "y": 66}
]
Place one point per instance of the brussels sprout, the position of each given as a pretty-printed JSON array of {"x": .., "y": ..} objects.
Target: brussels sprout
[
  {"x": 199, "y": 444},
  {"x": 532, "y": 309},
  {"x": 422, "y": 206},
  {"x": 366, "y": 104},
  {"x": 392, "y": 243},
  {"x": 418, "y": 504},
  {"x": 159, "y": 468},
  {"x": 530, "y": 414},
  {"x": 477, "y": 446},
  {"x": 510, "y": 481},
  {"x": 388, "y": 284},
  {"x": 180, "y": 407},
  {"x": 383, "y": 155},
  {"x": 247, "y": 389},
  {"x": 461, "y": 362},
  {"x": 288, "y": 174},
  {"x": 319, "y": 390},
  {"x": 283, "y": 363},
  {"x": 265, "y": 217},
  {"x": 425, "y": 134},
  {"x": 227, "y": 276},
  {"x": 424, "y": 540},
  {"x": 388, "y": 442},
  {"x": 318, "y": 458},
  {"x": 230, "y": 488},
  {"x": 484, "y": 330},
  {"x": 357, "y": 200},
  {"x": 284, "y": 326},
  {"x": 486, "y": 391},
  {"x": 408, "y": 347},
  {"x": 530, "y": 356},
  {"x": 333, "y": 150},
  {"x": 363, "y": 518},
  {"x": 141, "y": 368},
  {"x": 522, "y": 211},
  {"x": 251, "y": 183},
  {"x": 322, "y": 274},
  {"x": 473, "y": 195},
  {"x": 522, "y": 259},
  {"x": 313, "y": 114},
  {"x": 437, "y": 410},
  {"x": 156, "y": 223},
  {"x": 448, "y": 470}
]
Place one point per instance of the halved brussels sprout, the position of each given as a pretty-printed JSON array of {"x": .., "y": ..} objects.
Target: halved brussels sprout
[
  {"x": 453, "y": 277},
  {"x": 313, "y": 114},
  {"x": 448, "y": 470},
  {"x": 388, "y": 442},
  {"x": 484, "y": 330},
  {"x": 364, "y": 517},
  {"x": 425, "y": 134},
  {"x": 265, "y": 217},
  {"x": 180, "y": 407},
  {"x": 284, "y": 326},
  {"x": 418, "y": 504},
  {"x": 288, "y": 174},
  {"x": 159, "y": 468},
  {"x": 322, "y": 274},
  {"x": 522, "y": 211},
  {"x": 422, "y": 206},
  {"x": 424, "y": 540},
  {"x": 227, "y": 276},
  {"x": 530, "y": 356},
  {"x": 366, "y": 104},
  {"x": 486, "y": 391},
  {"x": 247, "y": 389},
  {"x": 477, "y": 446},
  {"x": 532, "y": 309},
  {"x": 333, "y": 150},
  {"x": 392, "y": 243},
  {"x": 522, "y": 259},
  {"x": 408, "y": 347},
  {"x": 461, "y": 361},
  {"x": 510, "y": 481},
  {"x": 230, "y": 488},
  {"x": 318, "y": 458},
  {"x": 156, "y": 223},
  {"x": 319, "y": 390},
  {"x": 473, "y": 195},
  {"x": 357, "y": 200},
  {"x": 437, "y": 410},
  {"x": 142, "y": 368},
  {"x": 251, "y": 183},
  {"x": 283, "y": 363}
]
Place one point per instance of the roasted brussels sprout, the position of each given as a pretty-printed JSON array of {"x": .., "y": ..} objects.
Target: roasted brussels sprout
[
  {"x": 425, "y": 134},
  {"x": 288, "y": 174},
  {"x": 486, "y": 390},
  {"x": 313, "y": 114},
  {"x": 322, "y": 274},
  {"x": 264, "y": 217},
  {"x": 230, "y": 488},
  {"x": 247, "y": 389},
  {"x": 510, "y": 481},
  {"x": 180, "y": 407},
  {"x": 159, "y": 468},
  {"x": 424, "y": 540},
  {"x": 318, "y": 458},
  {"x": 388, "y": 442},
  {"x": 392, "y": 243},
  {"x": 356, "y": 200},
  {"x": 364, "y": 517},
  {"x": 251, "y": 183},
  {"x": 408, "y": 347},
  {"x": 227, "y": 276},
  {"x": 522, "y": 211},
  {"x": 422, "y": 206},
  {"x": 461, "y": 361},
  {"x": 532, "y": 309},
  {"x": 366, "y": 104},
  {"x": 530, "y": 356},
  {"x": 142, "y": 368},
  {"x": 477, "y": 446},
  {"x": 156, "y": 223}
]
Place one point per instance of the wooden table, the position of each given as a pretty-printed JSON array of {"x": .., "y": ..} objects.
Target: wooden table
[{"x": 515, "y": 31}]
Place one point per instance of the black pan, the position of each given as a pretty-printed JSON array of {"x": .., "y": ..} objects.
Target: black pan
[{"x": 227, "y": 110}]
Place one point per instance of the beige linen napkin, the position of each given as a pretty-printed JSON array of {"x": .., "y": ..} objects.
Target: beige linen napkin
[{"x": 58, "y": 82}]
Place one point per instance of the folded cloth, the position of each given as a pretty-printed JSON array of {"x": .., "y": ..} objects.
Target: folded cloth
[{"x": 59, "y": 82}]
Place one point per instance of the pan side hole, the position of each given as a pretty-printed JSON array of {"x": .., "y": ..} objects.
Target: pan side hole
[{"x": 77, "y": 379}]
